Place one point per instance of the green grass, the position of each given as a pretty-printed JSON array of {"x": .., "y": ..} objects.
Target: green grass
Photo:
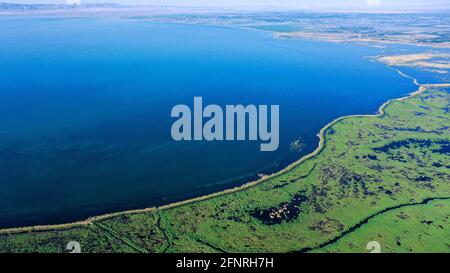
[
  {"x": 421, "y": 228},
  {"x": 369, "y": 165}
]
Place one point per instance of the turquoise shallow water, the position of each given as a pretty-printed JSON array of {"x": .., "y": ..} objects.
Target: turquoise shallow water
[{"x": 85, "y": 109}]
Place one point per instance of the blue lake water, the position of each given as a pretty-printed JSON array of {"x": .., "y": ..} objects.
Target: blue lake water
[{"x": 85, "y": 109}]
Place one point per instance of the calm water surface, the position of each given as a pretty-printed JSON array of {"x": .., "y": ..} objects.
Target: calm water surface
[{"x": 85, "y": 109}]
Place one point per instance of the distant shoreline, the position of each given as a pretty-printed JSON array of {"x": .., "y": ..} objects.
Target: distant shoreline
[{"x": 7, "y": 6}]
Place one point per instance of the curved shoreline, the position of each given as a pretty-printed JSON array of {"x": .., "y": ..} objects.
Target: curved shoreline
[{"x": 320, "y": 147}]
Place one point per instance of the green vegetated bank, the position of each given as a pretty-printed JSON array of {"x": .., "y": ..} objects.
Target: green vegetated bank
[
  {"x": 375, "y": 179},
  {"x": 419, "y": 228}
]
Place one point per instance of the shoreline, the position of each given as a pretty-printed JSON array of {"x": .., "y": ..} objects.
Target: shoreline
[{"x": 322, "y": 140}]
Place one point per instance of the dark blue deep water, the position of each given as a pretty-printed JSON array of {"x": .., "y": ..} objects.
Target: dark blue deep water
[{"x": 85, "y": 109}]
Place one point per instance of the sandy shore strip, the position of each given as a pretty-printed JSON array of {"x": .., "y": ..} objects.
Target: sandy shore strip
[{"x": 346, "y": 37}]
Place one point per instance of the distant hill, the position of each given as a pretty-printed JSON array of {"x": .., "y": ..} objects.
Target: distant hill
[{"x": 38, "y": 7}]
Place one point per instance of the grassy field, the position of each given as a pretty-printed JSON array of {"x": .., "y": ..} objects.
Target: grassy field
[
  {"x": 375, "y": 179},
  {"x": 419, "y": 228}
]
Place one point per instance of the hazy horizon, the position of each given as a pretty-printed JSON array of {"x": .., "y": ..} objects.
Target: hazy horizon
[{"x": 298, "y": 4}]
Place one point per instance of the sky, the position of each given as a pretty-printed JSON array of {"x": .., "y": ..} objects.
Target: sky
[{"x": 301, "y": 4}]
